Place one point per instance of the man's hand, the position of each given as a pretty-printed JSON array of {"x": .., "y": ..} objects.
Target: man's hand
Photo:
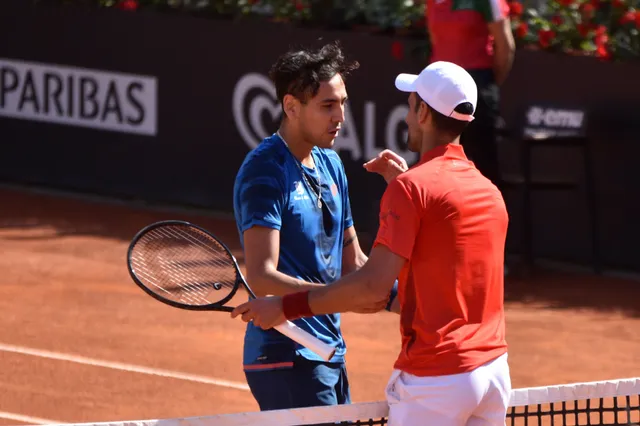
[
  {"x": 387, "y": 164},
  {"x": 373, "y": 307},
  {"x": 372, "y": 310},
  {"x": 265, "y": 312}
]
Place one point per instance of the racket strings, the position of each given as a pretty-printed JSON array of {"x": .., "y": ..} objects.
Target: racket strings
[{"x": 184, "y": 265}]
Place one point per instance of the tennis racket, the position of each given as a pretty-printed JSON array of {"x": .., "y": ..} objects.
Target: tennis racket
[{"x": 187, "y": 267}]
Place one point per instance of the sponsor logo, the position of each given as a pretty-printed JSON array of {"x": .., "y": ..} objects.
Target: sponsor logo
[
  {"x": 554, "y": 122},
  {"x": 254, "y": 103},
  {"x": 550, "y": 117},
  {"x": 78, "y": 97},
  {"x": 300, "y": 193}
]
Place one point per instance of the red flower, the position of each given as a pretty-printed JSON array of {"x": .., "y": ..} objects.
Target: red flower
[
  {"x": 638, "y": 18},
  {"x": 557, "y": 20},
  {"x": 127, "y": 5},
  {"x": 545, "y": 37},
  {"x": 628, "y": 17},
  {"x": 587, "y": 9},
  {"x": 299, "y": 6},
  {"x": 601, "y": 38},
  {"x": 397, "y": 50},
  {"x": 522, "y": 29},
  {"x": 603, "y": 53},
  {"x": 515, "y": 8},
  {"x": 596, "y": 3},
  {"x": 566, "y": 3},
  {"x": 617, "y": 3}
]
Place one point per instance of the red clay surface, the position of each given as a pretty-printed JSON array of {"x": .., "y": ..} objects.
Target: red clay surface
[{"x": 64, "y": 288}]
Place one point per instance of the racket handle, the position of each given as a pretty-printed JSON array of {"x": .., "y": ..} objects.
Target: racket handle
[{"x": 307, "y": 340}]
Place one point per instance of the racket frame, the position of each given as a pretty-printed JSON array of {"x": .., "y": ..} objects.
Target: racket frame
[{"x": 217, "y": 306}]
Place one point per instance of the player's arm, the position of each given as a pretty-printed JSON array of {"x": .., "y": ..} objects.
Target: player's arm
[
  {"x": 353, "y": 258},
  {"x": 504, "y": 48},
  {"x": 496, "y": 15},
  {"x": 372, "y": 284},
  {"x": 352, "y": 255},
  {"x": 262, "y": 248},
  {"x": 368, "y": 287}
]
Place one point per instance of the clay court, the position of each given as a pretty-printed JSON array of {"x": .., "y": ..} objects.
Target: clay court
[{"x": 81, "y": 343}]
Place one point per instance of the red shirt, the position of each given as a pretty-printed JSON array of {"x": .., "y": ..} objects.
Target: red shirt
[
  {"x": 450, "y": 223},
  {"x": 459, "y": 32}
]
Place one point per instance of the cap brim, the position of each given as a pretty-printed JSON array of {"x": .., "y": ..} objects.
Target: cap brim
[{"x": 406, "y": 82}]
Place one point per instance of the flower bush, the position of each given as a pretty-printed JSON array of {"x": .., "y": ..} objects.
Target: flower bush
[{"x": 606, "y": 29}]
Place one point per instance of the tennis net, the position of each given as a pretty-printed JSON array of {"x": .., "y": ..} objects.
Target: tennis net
[{"x": 614, "y": 402}]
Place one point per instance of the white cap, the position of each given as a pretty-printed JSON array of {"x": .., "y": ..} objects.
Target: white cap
[{"x": 443, "y": 86}]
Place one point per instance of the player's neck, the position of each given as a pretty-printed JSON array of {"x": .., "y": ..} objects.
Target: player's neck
[
  {"x": 431, "y": 141},
  {"x": 300, "y": 148}
]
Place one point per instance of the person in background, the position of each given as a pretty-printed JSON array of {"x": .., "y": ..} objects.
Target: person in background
[{"x": 476, "y": 35}]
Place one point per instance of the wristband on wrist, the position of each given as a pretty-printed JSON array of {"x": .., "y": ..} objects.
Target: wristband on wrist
[
  {"x": 392, "y": 296},
  {"x": 296, "y": 305}
]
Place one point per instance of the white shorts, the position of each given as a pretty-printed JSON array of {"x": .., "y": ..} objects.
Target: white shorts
[{"x": 477, "y": 398}]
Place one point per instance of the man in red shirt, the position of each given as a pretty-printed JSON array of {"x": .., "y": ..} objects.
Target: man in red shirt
[
  {"x": 476, "y": 34},
  {"x": 442, "y": 234}
]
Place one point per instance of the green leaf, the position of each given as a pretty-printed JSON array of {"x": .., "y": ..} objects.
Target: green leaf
[{"x": 588, "y": 46}]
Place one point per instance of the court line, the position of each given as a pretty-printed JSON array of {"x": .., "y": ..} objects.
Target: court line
[
  {"x": 28, "y": 419},
  {"x": 122, "y": 367}
]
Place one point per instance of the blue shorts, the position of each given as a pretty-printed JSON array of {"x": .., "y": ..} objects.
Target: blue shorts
[{"x": 306, "y": 384}]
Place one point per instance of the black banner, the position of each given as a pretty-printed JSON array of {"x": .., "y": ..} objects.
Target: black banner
[{"x": 164, "y": 109}]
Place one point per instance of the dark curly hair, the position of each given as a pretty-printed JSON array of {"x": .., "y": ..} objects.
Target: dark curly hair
[{"x": 299, "y": 72}]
